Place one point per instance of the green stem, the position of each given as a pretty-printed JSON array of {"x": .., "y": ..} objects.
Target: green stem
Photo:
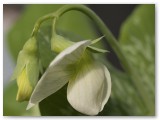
[
  {"x": 54, "y": 27},
  {"x": 40, "y": 21},
  {"x": 118, "y": 50}
]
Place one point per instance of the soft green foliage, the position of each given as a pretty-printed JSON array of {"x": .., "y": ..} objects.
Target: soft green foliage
[
  {"x": 137, "y": 36},
  {"x": 137, "y": 39},
  {"x": 45, "y": 53},
  {"x": 14, "y": 108}
]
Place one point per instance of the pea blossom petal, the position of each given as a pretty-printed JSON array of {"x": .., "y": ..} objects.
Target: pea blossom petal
[
  {"x": 90, "y": 90},
  {"x": 59, "y": 72},
  {"x": 89, "y": 85}
]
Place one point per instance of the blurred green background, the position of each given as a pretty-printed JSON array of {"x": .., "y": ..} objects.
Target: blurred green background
[{"x": 132, "y": 25}]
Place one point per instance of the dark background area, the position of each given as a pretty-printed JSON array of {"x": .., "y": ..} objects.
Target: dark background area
[{"x": 113, "y": 15}]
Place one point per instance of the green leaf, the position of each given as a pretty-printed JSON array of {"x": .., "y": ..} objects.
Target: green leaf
[
  {"x": 137, "y": 39},
  {"x": 124, "y": 99},
  {"x": 45, "y": 53},
  {"x": 13, "y": 108}
]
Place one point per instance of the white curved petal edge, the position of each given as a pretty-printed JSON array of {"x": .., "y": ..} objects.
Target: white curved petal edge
[
  {"x": 90, "y": 90},
  {"x": 107, "y": 87},
  {"x": 58, "y": 73}
]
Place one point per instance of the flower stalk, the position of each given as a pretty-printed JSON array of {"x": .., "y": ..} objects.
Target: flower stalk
[{"x": 40, "y": 21}]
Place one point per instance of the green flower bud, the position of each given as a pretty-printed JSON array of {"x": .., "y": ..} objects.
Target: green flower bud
[
  {"x": 27, "y": 70},
  {"x": 31, "y": 45},
  {"x": 59, "y": 43}
]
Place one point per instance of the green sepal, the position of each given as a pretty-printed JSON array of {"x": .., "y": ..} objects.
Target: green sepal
[
  {"x": 96, "y": 50},
  {"x": 31, "y": 45},
  {"x": 21, "y": 62},
  {"x": 33, "y": 70},
  {"x": 96, "y": 40},
  {"x": 59, "y": 43}
]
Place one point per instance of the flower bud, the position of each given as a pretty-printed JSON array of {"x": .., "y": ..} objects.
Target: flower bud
[
  {"x": 31, "y": 45},
  {"x": 27, "y": 70},
  {"x": 59, "y": 43}
]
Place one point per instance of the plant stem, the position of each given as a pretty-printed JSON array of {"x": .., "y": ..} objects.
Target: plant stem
[
  {"x": 136, "y": 80},
  {"x": 40, "y": 21}
]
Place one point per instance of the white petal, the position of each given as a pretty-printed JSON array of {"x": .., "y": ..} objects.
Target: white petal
[
  {"x": 90, "y": 90},
  {"x": 58, "y": 73},
  {"x": 107, "y": 88}
]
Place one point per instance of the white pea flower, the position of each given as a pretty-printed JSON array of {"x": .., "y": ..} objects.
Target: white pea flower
[{"x": 89, "y": 82}]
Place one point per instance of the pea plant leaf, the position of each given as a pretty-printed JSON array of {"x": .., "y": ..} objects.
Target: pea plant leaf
[{"x": 137, "y": 39}]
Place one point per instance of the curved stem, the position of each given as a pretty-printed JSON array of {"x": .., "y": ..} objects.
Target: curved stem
[
  {"x": 54, "y": 27},
  {"x": 40, "y": 21},
  {"x": 118, "y": 50}
]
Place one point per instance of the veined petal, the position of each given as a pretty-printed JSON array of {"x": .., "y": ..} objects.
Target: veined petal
[
  {"x": 59, "y": 72},
  {"x": 90, "y": 90}
]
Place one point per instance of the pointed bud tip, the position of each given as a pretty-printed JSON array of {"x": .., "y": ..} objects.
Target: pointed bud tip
[{"x": 30, "y": 105}]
